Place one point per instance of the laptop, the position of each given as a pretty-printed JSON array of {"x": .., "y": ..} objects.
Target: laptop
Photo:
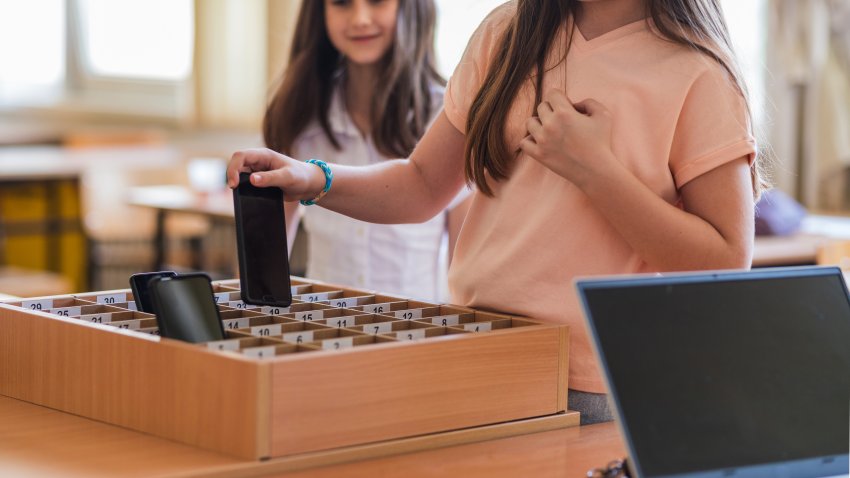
[{"x": 741, "y": 374}]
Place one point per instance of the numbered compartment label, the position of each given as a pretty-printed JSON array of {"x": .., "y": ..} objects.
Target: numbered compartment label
[
  {"x": 409, "y": 314},
  {"x": 343, "y": 303},
  {"x": 232, "y": 345},
  {"x": 150, "y": 330},
  {"x": 127, "y": 324},
  {"x": 478, "y": 327},
  {"x": 318, "y": 297},
  {"x": 337, "y": 344},
  {"x": 376, "y": 308},
  {"x": 298, "y": 337},
  {"x": 310, "y": 315},
  {"x": 410, "y": 334},
  {"x": 110, "y": 299},
  {"x": 266, "y": 330},
  {"x": 238, "y": 304},
  {"x": 259, "y": 352},
  {"x": 236, "y": 323},
  {"x": 273, "y": 310},
  {"x": 379, "y": 328},
  {"x": 74, "y": 311},
  {"x": 221, "y": 297},
  {"x": 98, "y": 318},
  {"x": 43, "y": 304},
  {"x": 446, "y": 320},
  {"x": 132, "y": 306},
  {"x": 341, "y": 322}
]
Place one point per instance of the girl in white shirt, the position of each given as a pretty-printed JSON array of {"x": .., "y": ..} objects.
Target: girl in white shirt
[{"x": 361, "y": 88}]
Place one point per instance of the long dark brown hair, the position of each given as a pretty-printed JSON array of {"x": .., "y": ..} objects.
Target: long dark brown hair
[
  {"x": 521, "y": 54},
  {"x": 401, "y": 108}
]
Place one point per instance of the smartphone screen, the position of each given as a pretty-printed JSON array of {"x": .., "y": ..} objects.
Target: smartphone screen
[
  {"x": 139, "y": 286},
  {"x": 261, "y": 239},
  {"x": 185, "y": 308}
]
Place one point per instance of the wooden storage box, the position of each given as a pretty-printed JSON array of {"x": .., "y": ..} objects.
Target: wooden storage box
[{"x": 284, "y": 384}]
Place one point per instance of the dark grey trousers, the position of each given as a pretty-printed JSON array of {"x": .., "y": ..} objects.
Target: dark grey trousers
[{"x": 593, "y": 406}]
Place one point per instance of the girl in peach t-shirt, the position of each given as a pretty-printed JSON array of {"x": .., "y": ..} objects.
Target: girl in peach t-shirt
[{"x": 603, "y": 137}]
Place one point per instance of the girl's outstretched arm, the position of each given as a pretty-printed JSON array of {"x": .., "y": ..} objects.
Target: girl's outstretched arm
[{"x": 392, "y": 192}]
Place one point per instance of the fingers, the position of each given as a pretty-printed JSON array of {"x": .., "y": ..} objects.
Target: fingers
[
  {"x": 591, "y": 107},
  {"x": 277, "y": 177},
  {"x": 545, "y": 110},
  {"x": 251, "y": 160},
  {"x": 530, "y": 147},
  {"x": 558, "y": 100},
  {"x": 534, "y": 126}
]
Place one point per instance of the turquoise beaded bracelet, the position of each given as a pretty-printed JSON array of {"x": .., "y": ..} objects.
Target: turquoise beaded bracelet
[{"x": 329, "y": 178}]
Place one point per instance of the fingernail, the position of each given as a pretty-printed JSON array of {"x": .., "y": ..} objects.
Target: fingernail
[{"x": 256, "y": 178}]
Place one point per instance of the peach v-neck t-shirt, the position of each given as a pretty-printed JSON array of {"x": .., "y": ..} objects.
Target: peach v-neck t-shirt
[{"x": 676, "y": 115}]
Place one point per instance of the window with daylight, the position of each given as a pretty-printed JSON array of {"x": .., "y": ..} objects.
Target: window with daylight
[{"x": 86, "y": 54}]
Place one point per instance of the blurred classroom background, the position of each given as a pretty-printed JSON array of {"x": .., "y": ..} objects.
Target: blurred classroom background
[{"x": 117, "y": 118}]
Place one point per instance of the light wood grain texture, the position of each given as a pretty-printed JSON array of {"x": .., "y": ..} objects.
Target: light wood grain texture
[
  {"x": 293, "y": 404},
  {"x": 167, "y": 388},
  {"x": 567, "y": 453},
  {"x": 309, "y": 461},
  {"x": 564, "y": 367},
  {"x": 413, "y": 388},
  {"x": 40, "y": 442}
]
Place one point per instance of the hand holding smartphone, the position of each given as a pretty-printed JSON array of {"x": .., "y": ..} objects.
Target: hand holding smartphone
[{"x": 262, "y": 246}]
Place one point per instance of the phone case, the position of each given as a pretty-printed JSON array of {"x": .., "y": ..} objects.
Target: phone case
[
  {"x": 248, "y": 295},
  {"x": 138, "y": 294},
  {"x": 164, "y": 311}
]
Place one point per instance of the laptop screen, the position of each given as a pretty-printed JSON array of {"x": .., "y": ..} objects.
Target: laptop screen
[{"x": 727, "y": 371}]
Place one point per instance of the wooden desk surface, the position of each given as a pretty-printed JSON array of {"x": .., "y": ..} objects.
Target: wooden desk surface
[{"x": 38, "y": 441}]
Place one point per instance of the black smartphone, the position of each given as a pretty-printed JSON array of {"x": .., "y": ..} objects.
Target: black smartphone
[
  {"x": 185, "y": 308},
  {"x": 139, "y": 286},
  {"x": 261, "y": 240}
]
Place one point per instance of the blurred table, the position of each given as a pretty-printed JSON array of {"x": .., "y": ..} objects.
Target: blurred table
[
  {"x": 164, "y": 200},
  {"x": 18, "y": 282},
  {"x": 801, "y": 248}
]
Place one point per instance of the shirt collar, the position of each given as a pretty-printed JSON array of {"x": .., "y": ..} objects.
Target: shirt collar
[{"x": 338, "y": 118}]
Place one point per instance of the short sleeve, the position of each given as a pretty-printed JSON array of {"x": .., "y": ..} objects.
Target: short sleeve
[
  {"x": 470, "y": 72},
  {"x": 713, "y": 127}
]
